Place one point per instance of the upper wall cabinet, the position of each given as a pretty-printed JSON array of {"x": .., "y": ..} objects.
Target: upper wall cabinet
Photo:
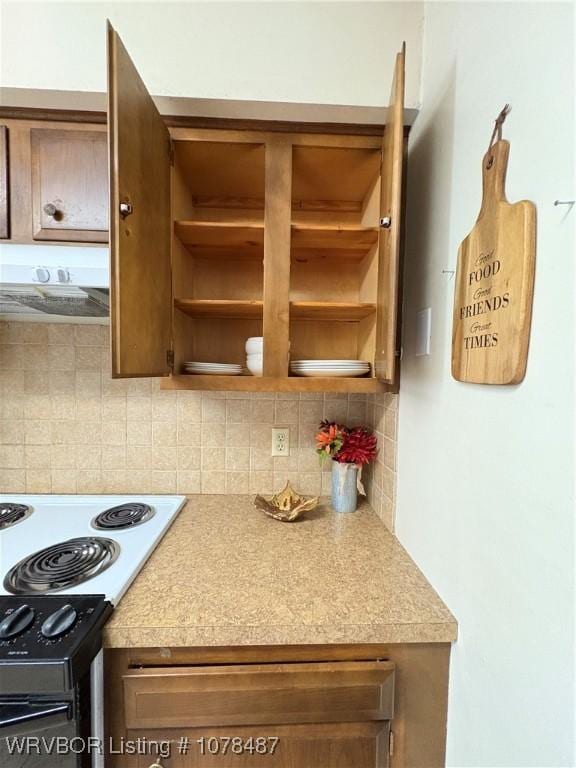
[
  {"x": 223, "y": 232},
  {"x": 218, "y": 235},
  {"x": 69, "y": 185},
  {"x": 53, "y": 182}
]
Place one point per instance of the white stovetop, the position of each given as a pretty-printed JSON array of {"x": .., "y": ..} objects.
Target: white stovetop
[{"x": 57, "y": 518}]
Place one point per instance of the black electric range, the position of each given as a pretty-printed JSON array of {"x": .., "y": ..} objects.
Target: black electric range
[{"x": 48, "y": 646}]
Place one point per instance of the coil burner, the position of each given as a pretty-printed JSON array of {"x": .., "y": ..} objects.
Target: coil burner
[
  {"x": 11, "y": 513},
  {"x": 123, "y": 516},
  {"x": 61, "y": 566}
]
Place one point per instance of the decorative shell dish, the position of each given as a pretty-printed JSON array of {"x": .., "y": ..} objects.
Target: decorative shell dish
[{"x": 287, "y": 505}]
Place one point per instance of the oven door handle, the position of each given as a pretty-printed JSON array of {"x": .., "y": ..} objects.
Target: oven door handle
[{"x": 15, "y": 716}]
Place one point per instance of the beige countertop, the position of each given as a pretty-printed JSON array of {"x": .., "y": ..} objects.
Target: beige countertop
[{"x": 226, "y": 574}]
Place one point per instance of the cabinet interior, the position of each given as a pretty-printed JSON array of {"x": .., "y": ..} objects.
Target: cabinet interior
[
  {"x": 218, "y": 248},
  {"x": 218, "y": 203},
  {"x": 334, "y": 252}
]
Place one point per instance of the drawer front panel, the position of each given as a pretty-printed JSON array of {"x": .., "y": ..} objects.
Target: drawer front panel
[{"x": 250, "y": 694}]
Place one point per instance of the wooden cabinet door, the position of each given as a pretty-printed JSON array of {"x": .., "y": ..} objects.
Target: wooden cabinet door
[
  {"x": 69, "y": 185},
  {"x": 4, "y": 207},
  {"x": 314, "y": 745},
  {"x": 389, "y": 267},
  {"x": 140, "y": 223}
]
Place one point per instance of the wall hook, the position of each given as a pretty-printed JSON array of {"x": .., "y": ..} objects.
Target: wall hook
[{"x": 564, "y": 202}]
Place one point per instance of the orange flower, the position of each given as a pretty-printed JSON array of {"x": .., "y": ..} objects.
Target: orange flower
[
  {"x": 325, "y": 438},
  {"x": 329, "y": 440}
]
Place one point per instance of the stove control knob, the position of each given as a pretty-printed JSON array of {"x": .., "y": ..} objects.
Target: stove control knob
[
  {"x": 59, "y": 622},
  {"x": 42, "y": 275},
  {"x": 16, "y": 622}
]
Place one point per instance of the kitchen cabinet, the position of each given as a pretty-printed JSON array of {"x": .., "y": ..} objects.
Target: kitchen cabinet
[
  {"x": 217, "y": 235},
  {"x": 53, "y": 181},
  {"x": 4, "y": 207},
  {"x": 69, "y": 185},
  {"x": 368, "y": 706},
  {"x": 219, "y": 232},
  {"x": 319, "y": 630},
  {"x": 299, "y": 714}
]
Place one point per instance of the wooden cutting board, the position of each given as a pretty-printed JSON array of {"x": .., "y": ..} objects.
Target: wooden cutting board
[{"x": 495, "y": 283}]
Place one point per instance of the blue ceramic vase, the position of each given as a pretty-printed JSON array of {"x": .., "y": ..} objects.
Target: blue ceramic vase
[{"x": 344, "y": 487}]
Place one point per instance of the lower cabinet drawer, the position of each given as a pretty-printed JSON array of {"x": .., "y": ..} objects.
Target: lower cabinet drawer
[
  {"x": 328, "y": 745},
  {"x": 181, "y": 697}
]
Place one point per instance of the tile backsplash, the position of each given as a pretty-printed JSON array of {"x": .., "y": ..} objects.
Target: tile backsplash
[
  {"x": 67, "y": 427},
  {"x": 380, "y": 479}
]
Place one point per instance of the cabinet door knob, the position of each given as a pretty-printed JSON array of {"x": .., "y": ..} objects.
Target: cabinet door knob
[
  {"x": 125, "y": 209},
  {"x": 50, "y": 209}
]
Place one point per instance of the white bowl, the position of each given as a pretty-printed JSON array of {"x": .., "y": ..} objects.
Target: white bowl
[
  {"x": 255, "y": 345},
  {"x": 255, "y": 366},
  {"x": 255, "y": 357}
]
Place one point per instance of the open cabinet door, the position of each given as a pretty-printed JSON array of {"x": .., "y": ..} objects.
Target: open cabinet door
[
  {"x": 389, "y": 268},
  {"x": 140, "y": 223}
]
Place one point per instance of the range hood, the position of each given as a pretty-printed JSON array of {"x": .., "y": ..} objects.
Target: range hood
[{"x": 54, "y": 283}]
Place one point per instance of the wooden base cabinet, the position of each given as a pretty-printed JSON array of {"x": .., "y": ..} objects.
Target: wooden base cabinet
[
  {"x": 323, "y": 714},
  {"x": 218, "y": 235},
  {"x": 293, "y": 707}
]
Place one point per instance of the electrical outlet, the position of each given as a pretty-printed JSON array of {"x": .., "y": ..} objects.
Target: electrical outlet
[{"x": 280, "y": 441}]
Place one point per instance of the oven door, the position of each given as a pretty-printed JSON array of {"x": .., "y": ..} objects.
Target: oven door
[{"x": 35, "y": 734}]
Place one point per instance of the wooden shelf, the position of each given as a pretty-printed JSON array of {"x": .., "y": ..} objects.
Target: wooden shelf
[
  {"x": 345, "y": 239},
  {"x": 330, "y": 310},
  {"x": 229, "y": 234},
  {"x": 268, "y": 384},
  {"x": 243, "y": 235},
  {"x": 207, "y": 308},
  {"x": 299, "y": 310}
]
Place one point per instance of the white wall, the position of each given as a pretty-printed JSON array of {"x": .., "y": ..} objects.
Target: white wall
[
  {"x": 485, "y": 496},
  {"x": 340, "y": 53}
]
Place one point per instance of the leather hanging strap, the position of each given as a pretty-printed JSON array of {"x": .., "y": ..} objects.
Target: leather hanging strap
[{"x": 497, "y": 132}]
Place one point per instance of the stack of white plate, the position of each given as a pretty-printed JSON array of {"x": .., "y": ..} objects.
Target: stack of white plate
[
  {"x": 213, "y": 369},
  {"x": 329, "y": 367}
]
